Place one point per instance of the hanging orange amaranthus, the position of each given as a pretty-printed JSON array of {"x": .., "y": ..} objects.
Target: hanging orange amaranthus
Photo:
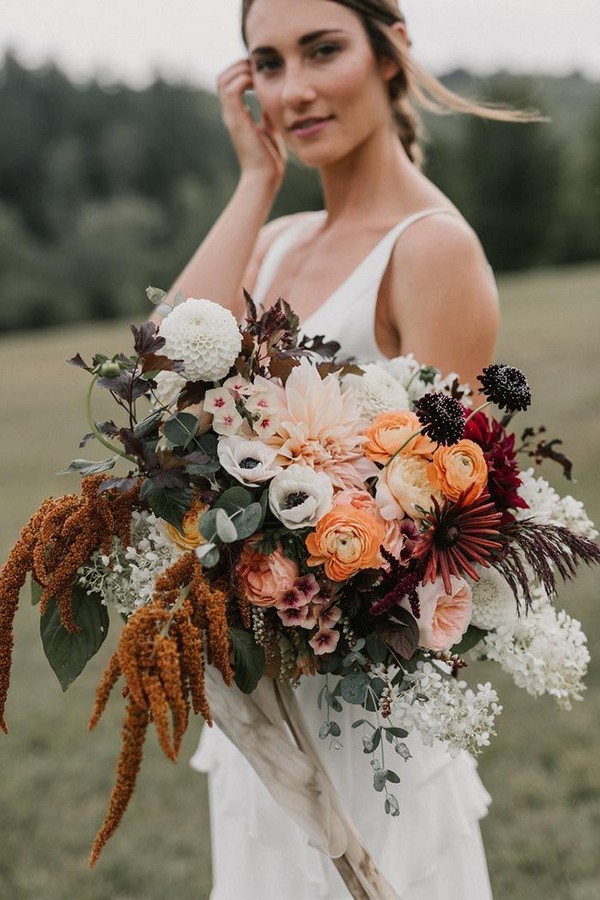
[
  {"x": 161, "y": 656},
  {"x": 60, "y": 537}
]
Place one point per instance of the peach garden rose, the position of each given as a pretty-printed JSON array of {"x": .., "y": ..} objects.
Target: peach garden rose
[
  {"x": 443, "y": 617},
  {"x": 266, "y": 579}
]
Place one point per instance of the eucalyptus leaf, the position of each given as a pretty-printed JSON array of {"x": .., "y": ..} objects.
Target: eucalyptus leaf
[
  {"x": 354, "y": 687},
  {"x": 234, "y": 500},
  {"x": 248, "y": 522},
  {"x": 335, "y": 729},
  {"x": 68, "y": 654},
  {"x": 88, "y": 467},
  {"x": 248, "y": 659},
  {"x": 397, "y": 732},
  {"x": 376, "y": 649},
  {"x": 470, "y": 639},
  {"x": 211, "y": 559},
  {"x": 155, "y": 295},
  {"x": 391, "y": 776},
  {"x": 225, "y": 527},
  {"x": 208, "y": 525}
]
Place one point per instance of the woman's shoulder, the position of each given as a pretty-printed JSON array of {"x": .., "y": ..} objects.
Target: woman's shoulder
[{"x": 267, "y": 235}]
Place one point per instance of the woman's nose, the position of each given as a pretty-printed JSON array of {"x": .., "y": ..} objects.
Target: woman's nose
[{"x": 297, "y": 88}]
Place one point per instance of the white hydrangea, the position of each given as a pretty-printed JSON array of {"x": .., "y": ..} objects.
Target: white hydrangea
[
  {"x": 377, "y": 391},
  {"x": 494, "y": 603},
  {"x": 453, "y": 713},
  {"x": 126, "y": 578},
  {"x": 545, "y": 652},
  {"x": 205, "y": 336}
]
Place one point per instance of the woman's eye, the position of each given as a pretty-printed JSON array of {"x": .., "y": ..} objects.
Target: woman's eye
[
  {"x": 324, "y": 51},
  {"x": 267, "y": 65}
]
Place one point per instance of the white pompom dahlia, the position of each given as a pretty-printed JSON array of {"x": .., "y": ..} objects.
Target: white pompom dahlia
[{"x": 205, "y": 336}]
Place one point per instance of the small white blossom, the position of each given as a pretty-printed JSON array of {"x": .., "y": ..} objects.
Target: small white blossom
[
  {"x": 205, "y": 336},
  {"x": 168, "y": 387},
  {"x": 441, "y": 708},
  {"x": 539, "y": 496}
]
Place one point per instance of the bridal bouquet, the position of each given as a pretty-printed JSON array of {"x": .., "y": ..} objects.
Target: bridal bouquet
[{"x": 284, "y": 513}]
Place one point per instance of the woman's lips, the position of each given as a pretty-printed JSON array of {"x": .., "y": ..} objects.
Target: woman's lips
[{"x": 308, "y": 128}]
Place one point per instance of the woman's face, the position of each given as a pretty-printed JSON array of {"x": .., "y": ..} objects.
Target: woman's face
[{"x": 316, "y": 77}]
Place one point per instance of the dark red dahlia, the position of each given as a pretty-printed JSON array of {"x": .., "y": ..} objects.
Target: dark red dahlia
[
  {"x": 457, "y": 536},
  {"x": 499, "y": 450}
]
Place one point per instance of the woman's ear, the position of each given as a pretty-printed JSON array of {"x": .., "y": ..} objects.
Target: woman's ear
[{"x": 398, "y": 33}]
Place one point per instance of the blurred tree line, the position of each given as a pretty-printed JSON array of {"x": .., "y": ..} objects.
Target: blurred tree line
[{"x": 104, "y": 190}]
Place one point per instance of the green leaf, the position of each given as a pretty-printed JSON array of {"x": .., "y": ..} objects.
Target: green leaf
[
  {"x": 248, "y": 660},
  {"x": 209, "y": 555},
  {"x": 377, "y": 686},
  {"x": 225, "y": 527},
  {"x": 335, "y": 729},
  {"x": 181, "y": 429},
  {"x": 234, "y": 500},
  {"x": 354, "y": 687},
  {"x": 249, "y": 521},
  {"x": 391, "y": 776},
  {"x": 68, "y": 654},
  {"x": 155, "y": 295},
  {"x": 87, "y": 467},
  {"x": 36, "y": 592},
  {"x": 208, "y": 525},
  {"x": 170, "y": 504},
  {"x": 376, "y": 649},
  {"x": 470, "y": 639},
  {"x": 397, "y": 732}
]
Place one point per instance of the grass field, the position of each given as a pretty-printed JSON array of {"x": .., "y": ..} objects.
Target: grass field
[{"x": 543, "y": 769}]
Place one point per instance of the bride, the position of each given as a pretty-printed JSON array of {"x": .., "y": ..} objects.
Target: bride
[{"x": 389, "y": 267}]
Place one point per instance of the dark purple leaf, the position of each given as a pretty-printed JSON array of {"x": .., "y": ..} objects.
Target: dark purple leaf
[
  {"x": 146, "y": 338},
  {"x": 78, "y": 361},
  {"x": 85, "y": 440},
  {"x": 401, "y": 633},
  {"x": 125, "y": 386},
  {"x": 154, "y": 364},
  {"x": 194, "y": 392},
  {"x": 121, "y": 485}
]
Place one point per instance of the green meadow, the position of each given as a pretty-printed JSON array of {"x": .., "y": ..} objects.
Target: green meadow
[{"x": 542, "y": 770}]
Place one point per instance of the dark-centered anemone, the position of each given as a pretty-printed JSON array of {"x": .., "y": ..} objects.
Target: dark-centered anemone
[
  {"x": 442, "y": 416},
  {"x": 456, "y": 537},
  {"x": 505, "y": 386}
]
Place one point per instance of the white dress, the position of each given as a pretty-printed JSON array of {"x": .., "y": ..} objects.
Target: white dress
[{"x": 433, "y": 849}]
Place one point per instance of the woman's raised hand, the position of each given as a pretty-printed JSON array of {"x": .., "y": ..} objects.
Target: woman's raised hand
[{"x": 259, "y": 147}]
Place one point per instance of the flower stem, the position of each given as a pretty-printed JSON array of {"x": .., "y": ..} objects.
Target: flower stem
[
  {"x": 475, "y": 411},
  {"x": 414, "y": 435},
  {"x": 96, "y": 431}
]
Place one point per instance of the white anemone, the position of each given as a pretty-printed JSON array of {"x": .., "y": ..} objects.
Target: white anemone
[
  {"x": 299, "y": 496},
  {"x": 251, "y": 462}
]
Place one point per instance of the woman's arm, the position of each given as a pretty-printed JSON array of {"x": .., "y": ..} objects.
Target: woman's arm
[
  {"x": 444, "y": 302},
  {"x": 219, "y": 267}
]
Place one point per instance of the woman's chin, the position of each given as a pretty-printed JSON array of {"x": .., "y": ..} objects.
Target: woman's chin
[{"x": 318, "y": 155}]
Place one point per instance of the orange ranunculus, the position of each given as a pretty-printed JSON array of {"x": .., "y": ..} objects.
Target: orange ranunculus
[
  {"x": 389, "y": 431},
  {"x": 266, "y": 578},
  {"x": 191, "y": 537},
  {"x": 461, "y": 469},
  {"x": 345, "y": 541}
]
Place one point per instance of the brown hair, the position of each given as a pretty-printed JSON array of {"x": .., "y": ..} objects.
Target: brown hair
[{"x": 413, "y": 84}]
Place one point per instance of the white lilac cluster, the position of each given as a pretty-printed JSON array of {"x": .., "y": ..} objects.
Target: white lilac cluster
[
  {"x": 547, "y": 507},
  {"x": 545, "y": 652},
  {"x": 126, "y": 578},
  {"x": 205, "y": 336},
  {"x": 441, "y": 708}
]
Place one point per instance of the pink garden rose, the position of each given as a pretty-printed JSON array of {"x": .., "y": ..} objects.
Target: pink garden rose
[
  {"x": 443, "y": 618},
  {"x": 266, "y": 578}
]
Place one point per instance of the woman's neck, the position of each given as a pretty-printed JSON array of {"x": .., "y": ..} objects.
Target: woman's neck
[{"x": 377, "y": 175}]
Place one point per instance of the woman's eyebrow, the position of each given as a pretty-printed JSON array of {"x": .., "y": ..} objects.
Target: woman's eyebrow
[{"x": 303, "y": 41}]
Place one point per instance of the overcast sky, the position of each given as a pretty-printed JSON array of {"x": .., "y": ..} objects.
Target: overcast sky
[{"x": 133, "y": 40}]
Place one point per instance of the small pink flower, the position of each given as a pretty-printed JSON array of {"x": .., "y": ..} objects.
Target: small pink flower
[
  {"x": 324, "y": 641},
  {"x": 301, "y": 617},
  {"x": 443, "y": 618},
  {"x": 308, "y": 586},
  {"x": 292, "y": 599},
  {"x": 330, "y": 617}
]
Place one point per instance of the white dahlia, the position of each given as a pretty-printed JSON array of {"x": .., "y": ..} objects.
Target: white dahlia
[
  {"x": 377, "y": 391},
  {"x": 205, "y": 336}
]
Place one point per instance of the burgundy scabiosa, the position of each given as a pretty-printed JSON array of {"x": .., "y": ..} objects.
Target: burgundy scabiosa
[
  {"x": 458, "y": 535},
  {"x": 505, "y": 386},
  {"x": 442, "y": 417}
]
